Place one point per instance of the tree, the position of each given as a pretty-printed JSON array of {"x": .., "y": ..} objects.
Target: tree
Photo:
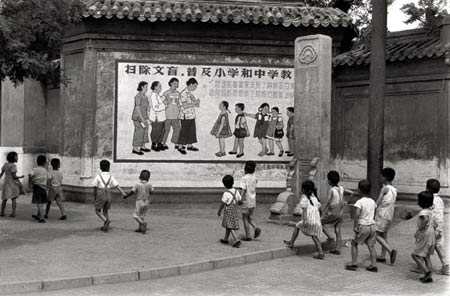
[
  {"x": 427, "y": 12},
  {"x": 31, "y": 37}
]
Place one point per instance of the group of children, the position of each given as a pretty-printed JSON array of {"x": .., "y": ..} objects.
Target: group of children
[
  {"x": 269, "y": 129},
  {"x": 46, "y": 186},
  {"x": 372, "y": 221}
]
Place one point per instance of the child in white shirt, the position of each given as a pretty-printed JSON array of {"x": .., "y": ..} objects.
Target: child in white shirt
[{"x": 248, "y": 187}]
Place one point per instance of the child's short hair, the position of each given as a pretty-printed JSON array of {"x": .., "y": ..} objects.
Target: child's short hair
[
  {"x": 141, "y": 85},
  {"x": 433, "y": 185},
  {"x": 41, "y": 160},
  {"x": 172, "y": 80},
  {"x": 364, "y": 187},
  {"x": 249, "y": 167},
  {"x": 154, "y": 85},
  {"x": 333, "y": 177},
  {"x": 11, "y": 156},
  {"x": 263, "y": 105},
  {"x": 56, "y": 163},
  {"x": 276, "y": 109},
  {"x": 144, "y": 175},
  {"x": 388, "y": 174},
  {"x": 191, "y": 81},
  {"x": 290, "y": 109},
  {"x": 425, "y": 199},
  {"x": 228, "y": 181},
  {"x": 225, "y": 104},
  {"x": 105, "y": 165},
  {"x": 240, "y": 106}
]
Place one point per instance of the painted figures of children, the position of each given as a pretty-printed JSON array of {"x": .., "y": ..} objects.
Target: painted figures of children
[
  {"x": 221, "y": 129},
  {"x": 12, "y": 187},
  {"x": 262, "y": 124},
  {"x": 275, "y": 132},
  {"x": 240, "y": 131}
]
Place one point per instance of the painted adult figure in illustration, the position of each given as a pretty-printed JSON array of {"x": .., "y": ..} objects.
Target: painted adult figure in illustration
[
  {"x": 140, "y": 119},
  {"x": 188, "y": 132},
  {"x": 171, "y": 98},
  {"x": 157, "y": 117}
]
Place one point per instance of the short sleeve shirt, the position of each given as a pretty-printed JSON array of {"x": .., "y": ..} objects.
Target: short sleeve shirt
[
  {"x": 387, "y": 206},
  {"x": 248, "y": 183},
  {"x": 438, "y": 212},
  {"x": 231, "y": 196},
  {"x": 367, "y": 207},
  {"x": 142, "y": 190},
  {"x": 188, "y": 112},
  {"x": 305, "y": 202},
  {"x": 105, "y": 176},
  {"x": 39, "y": 176},
  {"x": 56, "y": 178}
]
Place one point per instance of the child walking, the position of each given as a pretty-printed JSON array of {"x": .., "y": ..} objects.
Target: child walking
[
  {"x": 103, "y": 184},
  {"x": 221, "y": 129},
  {"x": 275, "y": 132},
  {"x": 261, "y": 126},
  {"x": 240, "y": 131},
  {"x": 142, "y": 190},
  {"x": 248, "y": 187},
  {"x": 39, "y": 180},
  {"x": 425, "y": 236},
  {"x": 434, "y": 186},
  {"x": 12, "y": 187},
  {"x": 385, "y": 214},
  {"x": 334, "y": 210},
  {"x": 55, "y": 192},
  {"x": 290, "y": 135},
  {"x": 310, "y": 224},
  {"x": 230, "y": 220},
  {"x": 364, "y": 227}
]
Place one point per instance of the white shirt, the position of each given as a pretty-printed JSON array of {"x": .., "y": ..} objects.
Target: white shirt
[
  {"x": 386, "y": 207},
  {"x": 438, "y": 212},
  {"x": 336, "y": 196},
  {"x": 367, "y": 207},
  {"x": 106, "y": 176},
  {"x": 157, "y": 108},
  {"x": 228, "y": 198},
  {"x": 248, "y": 183}
]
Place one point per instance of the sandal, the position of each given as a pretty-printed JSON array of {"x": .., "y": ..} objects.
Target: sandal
[
  {"x": 257, "y": 232},
  {"x": 351, "y": 267},
  {"x": 288, "y": 244},
  {"x": 232, "y": 152},
  {"x": 335, "y": 252},
  {"x": 382, "y": 260},
  {"x": 239, "y": 155},
  {"x": 224, "y": 241},
  {"x": 372, "y": 268},
  {"x": 319, "y": 256},
  {"x": 237, "y": 244},
  {"x": 281, "y": 153},
  {"x": 247, "y": 239}
]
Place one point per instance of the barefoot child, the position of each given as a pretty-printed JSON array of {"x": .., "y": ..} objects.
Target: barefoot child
[
  {"x": 434, "y": 186},
  {"x": 290, "y": 131},
  {"x": 55, "y": 192},
  {"x": 240, "y": 131},
  {"x": 310, "y": 224},
  {"x": 334, "y": 210},
  {"x": 248, "y": 186},
  {"x": 142, "y": 189},
  {"x": 364, "y": 227},
  {"x": 103, "y": 185},
  {"x": 385, "y": 214},
  {"x": 425, "y": 236},
  {"x": 12, "y": 187},
  {"x": 275, "y": 132},
  {"x": 262, "y": 123},
  {"x": 221, "y": 129},
  {"x": 39, "y": 180},
  {"x": 230, "y": 220}
]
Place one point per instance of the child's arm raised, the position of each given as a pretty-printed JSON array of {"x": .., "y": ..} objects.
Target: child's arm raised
[{"x": 250, "y": 115}]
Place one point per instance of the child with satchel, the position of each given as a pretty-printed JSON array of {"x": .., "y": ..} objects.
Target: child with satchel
[
  {"x": 230, "y": 220},
  {"x": 241, "y": 131}
]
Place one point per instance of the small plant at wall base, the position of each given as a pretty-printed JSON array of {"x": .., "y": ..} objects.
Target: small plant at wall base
[{"x": 31, "y": 37}]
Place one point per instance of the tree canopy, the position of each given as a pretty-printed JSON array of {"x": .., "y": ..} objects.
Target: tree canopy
[
  {"x": 31, "y": 37},
  {"x": 426, "y": 12}
]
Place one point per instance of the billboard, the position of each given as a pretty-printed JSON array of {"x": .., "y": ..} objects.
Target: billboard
[{"x": 194, "y": 115}]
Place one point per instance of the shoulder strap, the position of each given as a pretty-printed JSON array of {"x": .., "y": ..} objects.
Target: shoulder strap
[
  {"x": 233, "y": 194},
  {"x": 103, "y": 181}
]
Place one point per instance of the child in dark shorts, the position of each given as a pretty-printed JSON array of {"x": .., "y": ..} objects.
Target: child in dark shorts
[
  {"x": 38, "y": 179},
  {"x": 364, "y": 227},
  {"x": 240, "y": 131},
  {"x": 55, "y": 192},
  {"x": 103, "y": 185}
]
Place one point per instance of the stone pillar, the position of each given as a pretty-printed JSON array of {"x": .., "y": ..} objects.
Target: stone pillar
[{"x": 313, "y": 68}]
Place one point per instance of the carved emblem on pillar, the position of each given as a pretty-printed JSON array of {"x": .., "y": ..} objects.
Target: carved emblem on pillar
[{"x": 307, "y": 55}]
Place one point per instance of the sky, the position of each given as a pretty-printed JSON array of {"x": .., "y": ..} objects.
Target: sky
[{"x": 396, "y": 17}]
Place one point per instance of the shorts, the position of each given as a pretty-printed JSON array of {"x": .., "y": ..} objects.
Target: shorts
[
  {"x": 331, "y": 219},
  {"x": 55, "y": 194},
  {"x": 103, "y": 203},
  {"x": 141, "y": 209},
  {"x": 382, "y": 225},
  {"x": 366, "y": 234},
  {"x": 248, "y": 211}
]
